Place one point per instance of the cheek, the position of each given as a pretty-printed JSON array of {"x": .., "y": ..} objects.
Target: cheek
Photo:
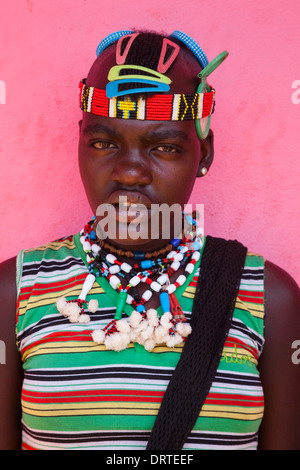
[
  {"x": 178, "y": 182},
  {"x": 93, "y": 177}
]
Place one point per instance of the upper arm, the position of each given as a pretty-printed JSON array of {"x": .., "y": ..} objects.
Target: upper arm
[
  {"x": 280, "y": 375},
  {"x": 10, "y": 369}
]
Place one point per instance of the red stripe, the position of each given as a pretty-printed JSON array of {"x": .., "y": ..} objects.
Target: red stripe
[
  {"x": 92, "y": 396},
  {"x": 40, "y": 289},
  {"x": 251, "y": 293},
  {"x": 65, "y": 336},
  {"x": 231, "y": 342},
  {"x": 251, "y": 299},
  {"x": 245, "y": 403},
  {"x": 27, "y": 447}
]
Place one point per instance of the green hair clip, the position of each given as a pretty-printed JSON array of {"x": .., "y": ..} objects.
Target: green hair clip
[{"x": 203, "y": 124}]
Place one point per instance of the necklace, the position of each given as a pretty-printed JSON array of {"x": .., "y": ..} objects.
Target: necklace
[{"x": 145, "y": 327}]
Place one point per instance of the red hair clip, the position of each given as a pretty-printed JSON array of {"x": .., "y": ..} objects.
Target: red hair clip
[
  {"x": 164, "y": 66},
  {"x": 121, "y": 57}
]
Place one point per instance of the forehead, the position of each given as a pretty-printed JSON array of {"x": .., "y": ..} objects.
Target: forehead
[
  {"x": 183, "y": 73},
  {"x": 137, "y": 129}
]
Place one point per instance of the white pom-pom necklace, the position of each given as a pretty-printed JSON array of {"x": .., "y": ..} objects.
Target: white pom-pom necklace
[{"x": 143, "y": 326}]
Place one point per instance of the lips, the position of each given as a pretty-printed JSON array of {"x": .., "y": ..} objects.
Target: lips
[
  {"x": 130, "y": 206},
  {"x": 129, "y": 198}
]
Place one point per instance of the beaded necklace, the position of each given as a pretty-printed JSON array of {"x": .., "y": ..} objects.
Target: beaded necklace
[{"x": 145, "y": 327}]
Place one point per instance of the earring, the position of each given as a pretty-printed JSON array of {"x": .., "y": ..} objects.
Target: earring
[{"x": 203, "y": 171}]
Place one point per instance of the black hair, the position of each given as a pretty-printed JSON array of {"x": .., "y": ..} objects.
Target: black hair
[{"x": 145, "y": 51}]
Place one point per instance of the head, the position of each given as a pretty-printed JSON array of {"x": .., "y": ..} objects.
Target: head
[{"x": 146, "y": 161}]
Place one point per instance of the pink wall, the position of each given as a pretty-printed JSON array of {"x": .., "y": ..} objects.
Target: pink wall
[{"x": 252, "y": 191}]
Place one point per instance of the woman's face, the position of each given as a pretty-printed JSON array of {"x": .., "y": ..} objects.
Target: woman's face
[{"x": 130, "y": 165}]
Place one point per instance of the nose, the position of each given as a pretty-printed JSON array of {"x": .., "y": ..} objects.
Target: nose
[{"x": 132, "y": 169}]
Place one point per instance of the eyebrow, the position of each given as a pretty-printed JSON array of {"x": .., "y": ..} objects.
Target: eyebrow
[
  {"x": 167, "y": 133},
  {"x": 100, "y": 129},
  {"x": 155, "y": 134}
]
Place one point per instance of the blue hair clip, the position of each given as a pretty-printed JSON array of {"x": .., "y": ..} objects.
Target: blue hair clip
[
  {"x": 112, "y": 88},
  {"x": 193, "y": 46},
  {"x": 110, "y": 39}
]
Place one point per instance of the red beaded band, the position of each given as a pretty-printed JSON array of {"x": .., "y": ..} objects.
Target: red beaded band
[{"x": 175, "y": 107}]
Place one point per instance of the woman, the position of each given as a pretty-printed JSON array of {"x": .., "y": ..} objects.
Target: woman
[{"x": 95, "y": 331}]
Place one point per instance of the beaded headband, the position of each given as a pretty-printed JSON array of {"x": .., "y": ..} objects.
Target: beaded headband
[
  {"x": 176, "y": 107},
  {"x": 157, "y": 107}
]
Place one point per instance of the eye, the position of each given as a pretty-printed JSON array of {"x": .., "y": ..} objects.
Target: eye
[
  {"x": 102, "y": 145},
  {"x": 166, "y": 148}
]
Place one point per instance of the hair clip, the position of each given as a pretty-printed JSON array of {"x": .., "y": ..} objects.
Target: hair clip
[
  {"x": 121, "y": 57},
  {"x": 164, "y": 66},
  {"x": 114, "y": 74},
  {"x": 112, "y": 88},
  {"x": 213, "y": 65}
]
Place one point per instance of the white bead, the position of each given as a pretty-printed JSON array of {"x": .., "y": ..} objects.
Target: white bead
[
  {"x": 199, "y": 231},
  {"x": 86, "y": 246},
  {"x": 96, "y": 248},
  {"x": 129, "y": 299},
  {"x": 88, "y": 284},
  {"x": 175, "y": 265},
  {"x": 171, "y": 288},
  {"x": 171, "y": 254},
  {"x": 126, "y": 267},
  {"x": 110, "y": 258},
  {"x": 184, "y": 249},
  {"x": 189, "y": 268},
  {"x": 114, "y": 269},
  {"x": 196, "y": 255},
  {"x": 163, "y": 279},
  {"x": 181, "y": 279},
  {"x": 178, "y": 257},
  {"x": 82, "y": 239},
  {"x": 147, "y": 295},
  {"x": 114, "y": 282},
  {"x": 155, "y": 286},
  {"x": 135, "y": 280}
]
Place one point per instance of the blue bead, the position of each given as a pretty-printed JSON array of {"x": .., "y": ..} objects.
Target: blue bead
[
  {"x": 189, "y": 219},
  {"x": 140, "y": 308},
  {"x": 165, "y": 301},
  {"x": 175, "y": 242},
  {"x": 196, "y": 245},
  {"x": 93, "y": 235},
  {"x": 146, "y": 264}
]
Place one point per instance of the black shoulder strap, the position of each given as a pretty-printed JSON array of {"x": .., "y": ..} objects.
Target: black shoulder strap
[{"x": 218, "y": 283}]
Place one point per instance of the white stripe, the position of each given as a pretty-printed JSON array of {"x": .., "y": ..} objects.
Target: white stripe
[
  {"x": 141, "y": 109},
  {"x": 175, "y": 107},
  {"x": 200, "y": 105},
  {"x": 112, "y": 107},
  {"x": 89, "y": 104}
]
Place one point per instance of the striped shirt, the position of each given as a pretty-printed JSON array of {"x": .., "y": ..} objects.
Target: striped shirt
[{"x": 78, "y": 395}]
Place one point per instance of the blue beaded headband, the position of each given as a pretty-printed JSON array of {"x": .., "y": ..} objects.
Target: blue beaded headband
[{"x": 184, "y": 38}]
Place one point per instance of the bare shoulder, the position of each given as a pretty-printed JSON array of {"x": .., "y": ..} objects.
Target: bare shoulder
[
  {"x": 10, "y": 368},
  {"x": 280, "y": 287},
  {"x": 8, "y": 278},
  {"x": 8, "y": 294},
  {"x": 279, "y": 373}
]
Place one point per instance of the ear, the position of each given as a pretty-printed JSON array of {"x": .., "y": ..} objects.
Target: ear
[{"x": 207, "y": 154}]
